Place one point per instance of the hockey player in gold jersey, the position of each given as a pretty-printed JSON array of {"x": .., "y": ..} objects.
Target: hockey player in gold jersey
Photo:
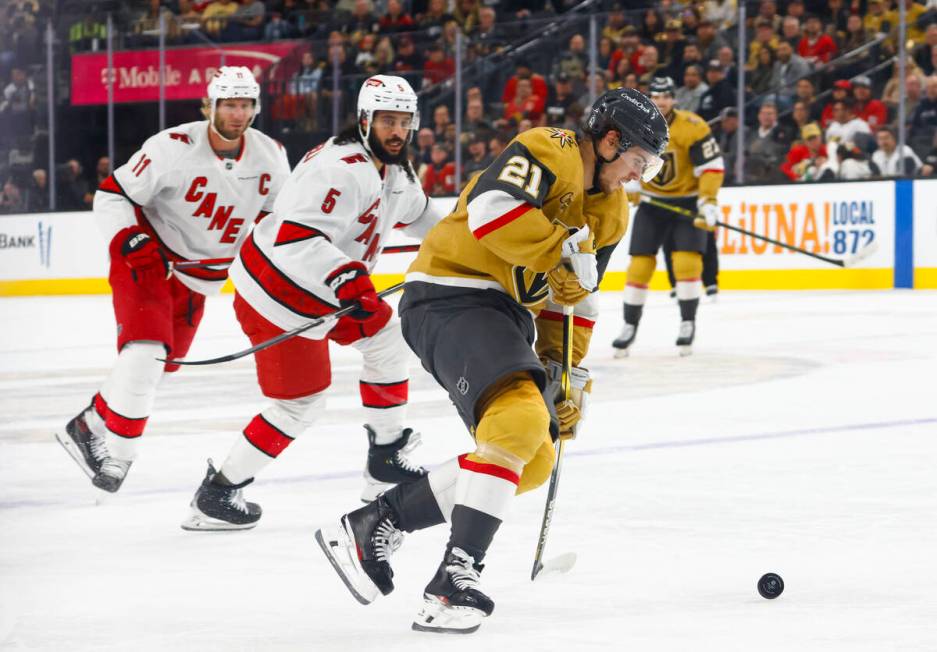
[
  {"x": 531, "y": 233},
  {"x": 690, "y": 178}
]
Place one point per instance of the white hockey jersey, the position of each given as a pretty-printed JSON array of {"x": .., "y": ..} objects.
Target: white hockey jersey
[
  {"x": 334, "y": 209},
  {"x": 196, "y": 204}
]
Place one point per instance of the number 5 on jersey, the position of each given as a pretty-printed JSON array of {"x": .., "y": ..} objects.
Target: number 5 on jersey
[{"x": 328, "y": 205}]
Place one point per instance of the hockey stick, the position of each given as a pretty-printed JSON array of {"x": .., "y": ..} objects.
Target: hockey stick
[
  {"x": 565, "y": 561},
  {"x": 206, "y": 262},
  {"x": 699, "y": 222},
  {"x": 282, "y": 336}
]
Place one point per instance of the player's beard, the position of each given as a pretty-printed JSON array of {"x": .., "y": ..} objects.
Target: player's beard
[
  {"x": 228, "y": 133},
  {"x": 400, "y": 158}
]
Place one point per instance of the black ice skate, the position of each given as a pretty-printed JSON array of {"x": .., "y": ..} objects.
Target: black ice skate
[
  {"x": 685, "y": 337},
  {"x": 388, "y": 464},
  {"x": 90, "y": 452},
  {"x": 85, "y": 447},
  {"x": 221, "y": 507},
  {"x": 359, "y": 548},
  {"x": 625, "y": 339},
  {"x": 452, "y": 602}
]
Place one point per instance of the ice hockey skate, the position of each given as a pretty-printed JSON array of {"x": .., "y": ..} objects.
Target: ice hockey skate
[
  {"x": 452, "y": 602},
  {"x": 388, "y": 464},
  {"x": 623, "y": 342},
  {"x": 217, "y": 506},
  {"x": 359, "y": 548},
  {"x": 685, "y": 337},
  {"x": 90, "y": 453}
]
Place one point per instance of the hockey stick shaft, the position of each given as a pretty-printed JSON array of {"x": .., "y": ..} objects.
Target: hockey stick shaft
[
  {"x": 553, "y": 489},
  {"x": 695, "y": 216},
  {"x": 207, "y": 262},
  {"x": 282, "y": 336}
]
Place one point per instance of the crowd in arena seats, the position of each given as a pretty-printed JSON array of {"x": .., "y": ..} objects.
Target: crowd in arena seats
[{"x": 821, "y": 79}]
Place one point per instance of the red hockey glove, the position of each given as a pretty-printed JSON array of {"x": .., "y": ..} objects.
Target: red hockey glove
[
  {"x": 353, "y": 287},
  {"x": 141, "y": 254}
]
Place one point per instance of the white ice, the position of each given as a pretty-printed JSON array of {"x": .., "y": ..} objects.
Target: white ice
[{"x": 800, "y": 438}]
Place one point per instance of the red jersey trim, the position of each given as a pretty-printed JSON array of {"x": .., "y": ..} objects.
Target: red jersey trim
[
  {"x": 498, "y": 222},
  {"x": 489, "y": 469},
  {"x": 291, "y": 232}
]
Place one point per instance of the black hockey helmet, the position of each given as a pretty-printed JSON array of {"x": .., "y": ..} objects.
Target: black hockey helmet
[
  {"x": 637, "y": 120},
  {"x": 662, "y": 85}
]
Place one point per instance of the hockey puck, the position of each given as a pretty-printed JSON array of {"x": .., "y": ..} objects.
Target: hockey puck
[{"x": 770, "y": 586}]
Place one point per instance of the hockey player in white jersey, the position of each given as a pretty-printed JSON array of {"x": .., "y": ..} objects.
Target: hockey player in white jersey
[
  {"x": 311, "y": 257},
  {"x": 190, "y": 193}
]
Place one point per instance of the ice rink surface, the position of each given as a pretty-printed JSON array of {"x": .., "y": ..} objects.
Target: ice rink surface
[{"x": 800, "y": 438}]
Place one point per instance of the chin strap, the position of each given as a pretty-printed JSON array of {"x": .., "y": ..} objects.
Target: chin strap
[{"x": 599, "y": 162}]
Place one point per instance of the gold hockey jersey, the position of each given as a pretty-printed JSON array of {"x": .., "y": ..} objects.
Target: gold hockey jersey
[
  {"x": 508, "y": 226},
  {"x": 693, "y": 163}
]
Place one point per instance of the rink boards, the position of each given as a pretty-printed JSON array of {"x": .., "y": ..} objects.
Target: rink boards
[{"x": 63, "y": 253}]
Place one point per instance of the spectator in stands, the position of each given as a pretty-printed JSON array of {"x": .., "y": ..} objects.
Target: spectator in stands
[
  {"x": 37, "y": 193},
  {"x": 277, "y": 28},
  {"x": 765, "y": 146},
  {"x": 835, "y": 15},
  {"x": 598, "y": 83},
  {"x": 844, "y": 126},
  {"x": 694, "y": 88},
  {"x": 496, "y": 145},
  {"x": 439, "y": 178},
  {"x": 923, "y": 120},
  {"x": 475, "y": 121},
  {"x": 478, "y": 158},
  {"x": 441, "y": 121},
  {"x": 841, "y": 91},
  {"x": 859, "y": 60},
  {"x": 790, "y": 31},
  {"x": 875, "y": 20},
  {"x": 929, "y": 168},
  {"x": 649, "y": 64},
  {"x": 871, "y": 110},
  {"x": 408, "y": 58},
  {"x": 805, "y": 91},
  {"x": 246, "y": 23},
  {"x": 913, "y": 13},
  {"x": 805, "y": 159},
  {"x": 670, "y": 49},
  {"x": 621, "y": 71},
  {"x": 72, "y": 187},
  {"x": 888, "y": 161},
  {"x": 425, "y": 139},
  {"x": 17, "y": 106},
  {"x": 796, "y": 9},
  {"x": 615, "y": 24},
  {"x": 924, "y": 53},
  {"x": 438, "y": 67},
  {"x": 815, "y": 46},
  {"x": 560, "y": 99},
  {"x": 524, "y": 105},
  {"x": 12, "y": 200},
  {"x": 911, "y": 89},
  {"x": 797, "y": 119},
  {"x": 692, "y": 56},
  {"x": 604, "y": 55},
  {"x": 102, "y": 170},
  {"x": 215, "y": 17},
  {"x": 487, "y": 38},
  {"x": 396, "y": 19},
  {"x": 629, "y": 48},
  {"x": 760, "y": 81},
  {"x": 524, "y": 125},
  {"x": 725, "y": 131},
  {"x": 466, "y": 15},
  {"x": 846, "y": 163},
  {"x": 726, "y": 58},
  {"x": 768, "y": 10},
  {"x": 788, "y": 68},
  {"x": 574, "y": 61},
  {"x": 524, "y": 71},
  {"x": 652, "y": 23},
  {"x": 721, "y": 13},
  {"x": 720, "y": 94},
  {"x": 362, "y": 19},
  {"x": 710, "y": 41},
  {"x": 432, "y": 21},
  {"x": 307, "y": 83},
  {"x": 765, "y": 37}
]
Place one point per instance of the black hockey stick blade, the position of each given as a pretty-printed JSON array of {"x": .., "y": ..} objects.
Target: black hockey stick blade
[{"x": 279, "y": 338}]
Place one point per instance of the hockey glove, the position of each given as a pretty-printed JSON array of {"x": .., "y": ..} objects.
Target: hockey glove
[
  {"x": 564, "y": 286},
  {"x": 572, "y": 410},
  {"x": 579, "y": 250},
  {"x": 709, "y": 211},
  {"x": 141, "y": 254},
  {"x": 352, "y": 286}
]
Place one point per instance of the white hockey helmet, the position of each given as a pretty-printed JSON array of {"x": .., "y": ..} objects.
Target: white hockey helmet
[
  {"x": 386, "y": 93},
  {"x": 230, "y": 82}
]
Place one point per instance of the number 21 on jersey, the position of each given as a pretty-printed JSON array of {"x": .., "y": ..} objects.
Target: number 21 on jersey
[{"x": 522, "y": 173}]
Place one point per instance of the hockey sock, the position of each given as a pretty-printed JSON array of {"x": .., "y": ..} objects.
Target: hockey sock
[
  {"x": 688, "y": 266},
  {"x": 267, "y": 435},
  {"x": 483, "y": 493},
  {"x": 385, "y": 405},
  {"x": 633, "y": 313},
  {"x": 126, "y": 399},
  {"x": 688, "y": 309}
]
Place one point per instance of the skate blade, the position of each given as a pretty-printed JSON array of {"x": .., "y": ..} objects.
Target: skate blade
[
  {"x": 684, "y": 350},
  {"x": 437, "y": 617},
  {"x": 76, "y": 455},
  {"x": 621, "y": 353},
  {"x": 333, "y": 547},
  {"x": 198, "y": 522}
]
